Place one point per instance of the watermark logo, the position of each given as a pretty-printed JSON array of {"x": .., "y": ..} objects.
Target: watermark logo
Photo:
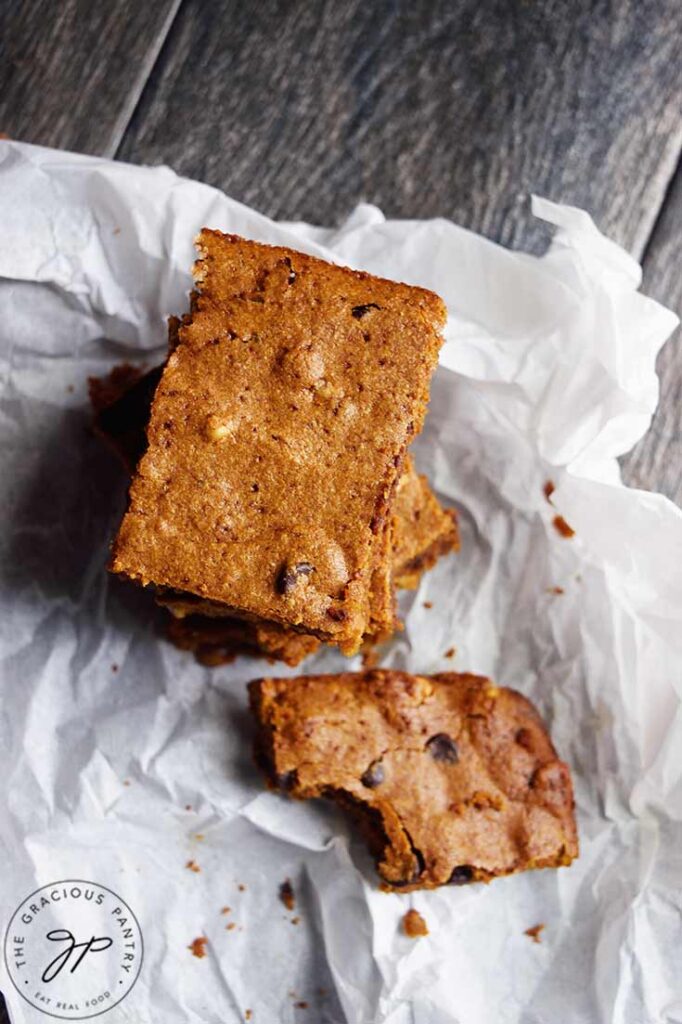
[{"x": 73, "y": 949}]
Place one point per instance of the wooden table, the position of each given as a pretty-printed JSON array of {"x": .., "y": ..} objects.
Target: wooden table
[{"x": 301, "y": 108}]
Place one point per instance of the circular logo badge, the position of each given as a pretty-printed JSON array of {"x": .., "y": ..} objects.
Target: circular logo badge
[{"x": 73, "y": 949}]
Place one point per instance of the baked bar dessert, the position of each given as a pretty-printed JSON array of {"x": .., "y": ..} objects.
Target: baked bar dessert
[
  {"x": 422, "y": 531},
  {"x": 277, "y": 434},
  {"x": 452, "y": 779}
]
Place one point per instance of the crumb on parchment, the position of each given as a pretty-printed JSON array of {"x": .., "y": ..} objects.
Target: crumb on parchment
[
  {"x": 556, "y": 590},
  {"x": 287, "y": 895},
  {"x": 198, "y": 947},
  {"x": 414, "y": 924},
  {"x": 451, "y": 652},
  {"x": 548, "y": 490},
  {"x": 562, "y": 527},
  {"x": 192, "y": 865},
  {"x": 428, "y": 604},
  {"x": 534, "y": 932}
]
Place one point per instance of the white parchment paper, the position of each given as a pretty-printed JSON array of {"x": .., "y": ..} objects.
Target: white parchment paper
[{"x": 118, "y": 752}]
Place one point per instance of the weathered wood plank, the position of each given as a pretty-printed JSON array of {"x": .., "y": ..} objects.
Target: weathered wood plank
[
  {"x": 423, "y": 106},
  {"x": 71, "y": 73},
  {"x": 656, "y": 462}
]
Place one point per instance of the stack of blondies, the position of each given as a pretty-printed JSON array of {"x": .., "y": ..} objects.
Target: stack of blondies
[{"x": 275, "y": 507}]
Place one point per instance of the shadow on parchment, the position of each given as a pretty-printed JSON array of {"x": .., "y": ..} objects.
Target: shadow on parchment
[{"x": 67, "y": 495}]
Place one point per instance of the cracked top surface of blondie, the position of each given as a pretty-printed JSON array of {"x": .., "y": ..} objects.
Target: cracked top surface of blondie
[
  {"x": 276, "y": 435},
  {"x": 452, "y": 778}
]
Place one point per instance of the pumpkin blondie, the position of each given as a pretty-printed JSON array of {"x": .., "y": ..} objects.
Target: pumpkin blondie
[
  {"x": 276, "y": 437},
  {"x": 451, "y": 779}
]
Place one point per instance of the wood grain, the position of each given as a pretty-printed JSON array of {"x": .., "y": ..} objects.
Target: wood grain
[
  {"x": 656, "y": 462},
  {"x": 72, "y": 71},
  {"x": 426, "y": 107}
]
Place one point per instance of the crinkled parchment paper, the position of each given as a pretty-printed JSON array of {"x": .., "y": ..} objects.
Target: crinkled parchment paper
[{"x": 109, "y": 735}]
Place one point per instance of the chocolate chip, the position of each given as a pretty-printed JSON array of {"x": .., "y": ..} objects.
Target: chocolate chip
[
  {"x": 290, "y": 574},
  {"x": 292, "y": 272},
  {"x": 336, "y": 614},
  {"x": 359, "y": 311},
  {"x": 374, "y": 775},
  {"x": 286, "y": 781},
  {"x": 462, "y": 875},
  {"x": 443, "y": 748}
]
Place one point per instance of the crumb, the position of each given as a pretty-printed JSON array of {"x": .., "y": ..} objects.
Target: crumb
[
  {"x": 70, "y": 388},
  {"x": 188, "y": 807},
  {"x": 556, "y": 590},
  {"x": 241, "y": 887},
  {"x": 286, "y": 894},
  {"x": 126, "y": 782},
  {"x": 534, "y": 932},
  {"x": 114, "y": 667},
  {"x": 371, "y": 658},
  {"x": 199, "y": 836},
  {"x": 117, "y": 231},
  {"x": 230, "y": 927},
  {"x": 225, "y": 910},
  {"x": 301, "y": 1004},
  {"x": 198, "y": 947},
  {"x": 451, "y": 652},
  {"x": 248, "y": 1014},
  {"x": 414, "y": 924},
  {"x": 321, "y": 991},
  {"x": 193, "y": 866},
  {"x": 562, "y": 527},
  {"x": 548, "y": 490},
  {"x": 428, "y": 604},
  {"x": 291, "y": 993},
  {"x": 295, "y": 920}
]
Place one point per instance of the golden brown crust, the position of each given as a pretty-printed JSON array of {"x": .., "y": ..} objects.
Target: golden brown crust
[
  {"x": 417, "y": 509},
  {"x": 423, "y": 530},
  {"x": 452, "y": 778},
  {"x": 277, "y": 433},
  {"x": 218, "y": 641},
  {"x": 121, "y": 404}
]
